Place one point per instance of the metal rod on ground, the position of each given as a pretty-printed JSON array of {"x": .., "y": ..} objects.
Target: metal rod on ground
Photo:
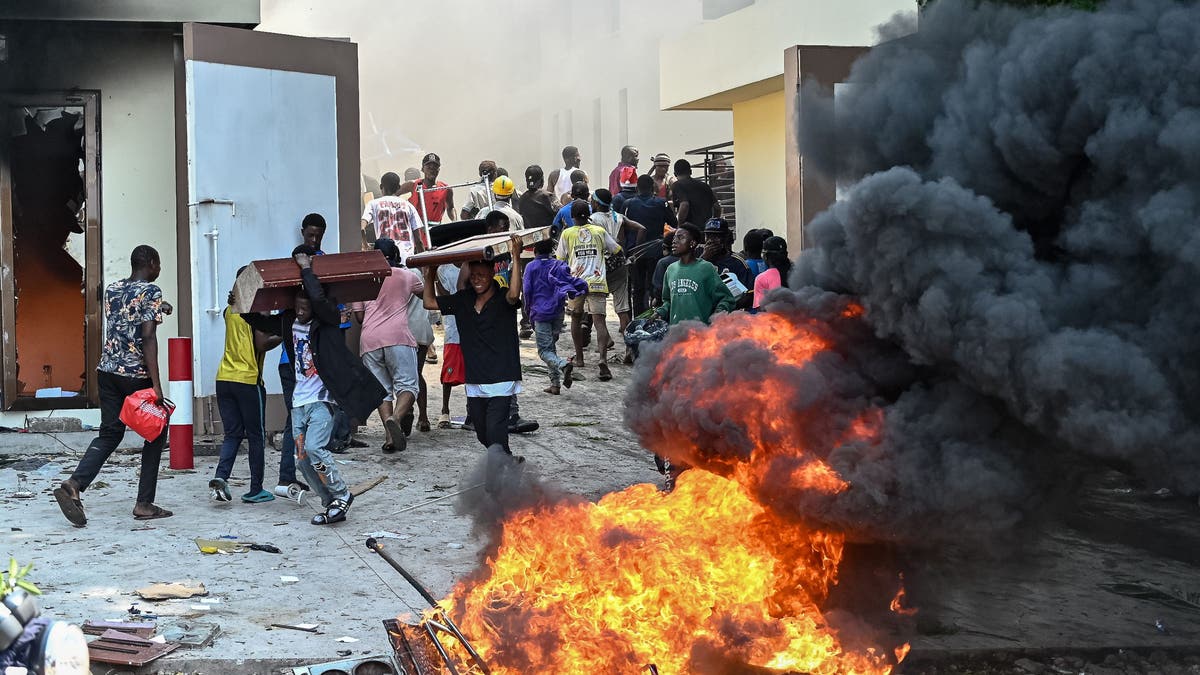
[
  {"x": 450, "y": 627},
  {"x": 375, "y": 546},
  {"x": 441, "y": 650},
  {"x": 438, "y": 499}
]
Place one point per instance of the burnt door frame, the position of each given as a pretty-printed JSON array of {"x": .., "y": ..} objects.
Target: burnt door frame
[{"x": 92, "y": 273}]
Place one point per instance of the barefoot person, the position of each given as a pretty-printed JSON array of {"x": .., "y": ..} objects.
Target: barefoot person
[{"x": 128, "y": 363}]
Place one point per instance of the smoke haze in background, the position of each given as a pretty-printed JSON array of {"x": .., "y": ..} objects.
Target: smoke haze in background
[
  {"x": 512, "y": 82},
  {"x": 1019, "y": 221}
]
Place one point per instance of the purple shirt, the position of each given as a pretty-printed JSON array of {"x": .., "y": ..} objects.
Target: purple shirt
[{"x": 547, "y": 284}]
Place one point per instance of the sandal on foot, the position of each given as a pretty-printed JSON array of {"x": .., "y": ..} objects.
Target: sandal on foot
[
  {"x": 431, "y": 357},
  {"x": 334, "y": 513},
  {"x": 219, "y": 490},
  {"x": 444, "y": 421},
  {"x": 567, "y": 374},
  {"x": 605, "y": 373},
  {"x": 258, "y": 497},
  {"x": 552, "y": 389},
  {"x": 156, "y": 512},
  {"x": 71, "y": 505}
]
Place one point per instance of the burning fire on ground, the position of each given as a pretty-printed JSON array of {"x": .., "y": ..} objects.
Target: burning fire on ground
[{"x": 684, "y": 580}]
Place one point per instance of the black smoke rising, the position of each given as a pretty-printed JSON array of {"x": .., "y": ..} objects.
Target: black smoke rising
[{"x": 1020, "y": 224}]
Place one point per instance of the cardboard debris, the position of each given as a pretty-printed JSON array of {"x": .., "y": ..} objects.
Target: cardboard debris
[{"x": 175, "y": 590}]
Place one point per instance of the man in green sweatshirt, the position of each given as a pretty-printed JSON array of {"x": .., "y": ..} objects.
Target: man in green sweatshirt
[{"x": 692, "y": 288}]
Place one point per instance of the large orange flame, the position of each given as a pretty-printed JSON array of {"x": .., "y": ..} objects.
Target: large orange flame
[{"x": 682, "y": 578}]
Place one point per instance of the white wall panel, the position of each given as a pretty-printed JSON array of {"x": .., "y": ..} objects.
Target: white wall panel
[{"x": 267, "y": 141}]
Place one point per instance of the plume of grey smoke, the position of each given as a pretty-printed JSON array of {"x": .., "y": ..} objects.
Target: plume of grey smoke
[{"x": 1022, "y": 228}]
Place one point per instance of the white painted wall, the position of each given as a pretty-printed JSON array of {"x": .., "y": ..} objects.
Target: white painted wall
[
  {"x": 747, "y": 46},
  {"x": 266, "y": 140},
  {"x": 134, "y": 72}
]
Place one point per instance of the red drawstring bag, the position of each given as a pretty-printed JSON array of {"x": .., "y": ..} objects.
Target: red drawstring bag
[{"x": 142, "y": 414}]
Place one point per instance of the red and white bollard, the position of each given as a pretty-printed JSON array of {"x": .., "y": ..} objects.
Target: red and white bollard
[{"x": 179, "y": 373}]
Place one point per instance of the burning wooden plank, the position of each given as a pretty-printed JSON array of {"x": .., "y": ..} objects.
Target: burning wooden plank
[
  {"x": 479, "y": 247},
  {"x": 268, "y": 285}
]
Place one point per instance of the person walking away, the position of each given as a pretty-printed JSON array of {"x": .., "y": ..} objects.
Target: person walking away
[
  {"x": 548, "y": 284},
  {"x": 327, "y": 373},
  {"x": 779, "y": 267},
  {"x": 562, "y": 219},
  {"x": 393, "y": 217},
  {"x": 660, "y": 269},
  {"x": 694, "y": 200},
  {"x": 628, "y": 234},
  {"x": 659, "y": 173},
  {"x": 629, "y": 159},
  {"x": 657, "y": 218},
  {"x": 128, "y": 362},
  {"x": 537, "y": 205},
  {"x": 583, "y": 247},
  {"x": 628, "y": 182},
  {"x": 752, "y": 252},
  {"x": 560, "y": 180},
  {"x": 486, "y": 317},
  {"x": 387, "y": 345},
  {"x": 503, "y": 189},
  {"x": 477, "y": 198},
  {"x": 240, "y": 402},
  {"x": 692, "y": 290}
]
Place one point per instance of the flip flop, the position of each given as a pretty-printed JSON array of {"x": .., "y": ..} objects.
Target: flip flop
[
  {"x": 71, "y": 507},
  {"x": 444, "y": 421},
  {"x": 258, "y": 497},
  {"x": 158, "y": 512}
]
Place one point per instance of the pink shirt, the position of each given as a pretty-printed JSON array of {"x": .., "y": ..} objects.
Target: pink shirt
[
  {"x": 765, "y": 282},
  {"x": 385, "y": 319}
]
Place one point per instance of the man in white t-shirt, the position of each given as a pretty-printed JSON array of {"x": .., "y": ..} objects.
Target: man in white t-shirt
[{"x": 393, "y": 217}]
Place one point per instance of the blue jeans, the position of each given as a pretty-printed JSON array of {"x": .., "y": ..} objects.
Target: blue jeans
[
  {"x": 546, "y": 334},
  {"x": 312, "y": 426},
  {"x": 241, "y": 408}
]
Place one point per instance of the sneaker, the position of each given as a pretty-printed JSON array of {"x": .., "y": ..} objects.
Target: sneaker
[
  {"x": 468, "y": 425},
  {"x": 258, "y": 497},
  {"x": 219, "y": 490},
  {"x": 517, "y": 425}
]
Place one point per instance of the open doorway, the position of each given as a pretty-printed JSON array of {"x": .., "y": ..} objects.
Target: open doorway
[{"x": 50, "y": 241}]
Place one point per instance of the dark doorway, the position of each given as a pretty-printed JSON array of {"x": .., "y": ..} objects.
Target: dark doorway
[{"x": 50, "y": 230}]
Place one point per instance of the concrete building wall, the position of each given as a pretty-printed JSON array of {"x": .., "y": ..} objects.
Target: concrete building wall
[
  {"x": 759, "y": 144},
  {"x": 133, "y": 69},
  {"x": 745, "y": 46}
]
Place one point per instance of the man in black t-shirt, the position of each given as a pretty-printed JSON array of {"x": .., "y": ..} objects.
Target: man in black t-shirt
[
  {"x": 694, "y": 199},
  {"x": 537, "y": 205},
  {"x": 486, "y": 316}
]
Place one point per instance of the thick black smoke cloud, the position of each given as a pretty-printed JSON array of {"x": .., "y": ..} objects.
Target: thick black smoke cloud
[{"x": 1021, "y": 222}]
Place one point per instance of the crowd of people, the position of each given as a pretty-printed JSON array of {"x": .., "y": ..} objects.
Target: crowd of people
[{"x": 652, "y": 245}]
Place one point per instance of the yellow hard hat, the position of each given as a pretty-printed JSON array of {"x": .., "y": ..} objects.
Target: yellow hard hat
[{"x": 503, "y": 186}]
